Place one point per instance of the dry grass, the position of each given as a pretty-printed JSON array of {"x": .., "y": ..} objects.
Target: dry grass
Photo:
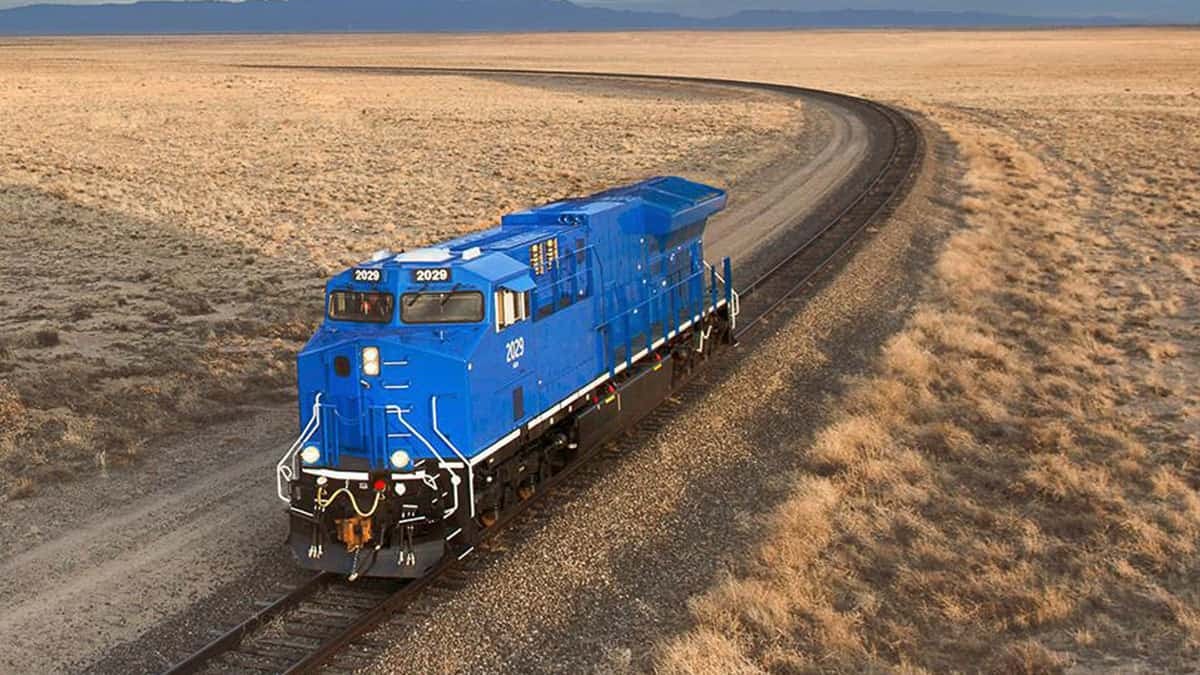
[
  {"x": 167, "y": 226},
  {"x": 1015, "y": 488}
]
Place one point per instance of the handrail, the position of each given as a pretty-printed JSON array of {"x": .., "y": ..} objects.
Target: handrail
[
  {"x": 554, "y": 289},
  {"x": 470, "y": 470},
  {"x": 286, "y": 470},
  {"x": 735, "y": 305},
  {"x": 454, "y": 477},
  {"x": 628, "y": 310}
]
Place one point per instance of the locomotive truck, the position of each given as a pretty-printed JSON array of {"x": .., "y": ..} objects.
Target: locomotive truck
[{"x": 447, "y": 384}]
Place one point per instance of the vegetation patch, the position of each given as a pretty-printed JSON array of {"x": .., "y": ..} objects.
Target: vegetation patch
[{"x": 1015, "y": 487}]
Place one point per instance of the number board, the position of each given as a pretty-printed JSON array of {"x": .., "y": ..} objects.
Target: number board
[
  {"x": 431, "y": 275},
  {"x": 368, "y": 275}
]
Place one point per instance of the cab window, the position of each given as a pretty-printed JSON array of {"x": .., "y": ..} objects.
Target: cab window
[
  {"x": 511, "y": 307},
  {"x": 361, "y": 307},
  {"x": 458, "y": 307}
]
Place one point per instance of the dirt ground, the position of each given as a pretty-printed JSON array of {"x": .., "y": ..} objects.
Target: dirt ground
[{"x": 1008, "y": 483}]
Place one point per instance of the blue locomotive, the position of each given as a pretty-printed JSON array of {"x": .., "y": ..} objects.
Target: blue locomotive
[{"x": 447, "y": 383}]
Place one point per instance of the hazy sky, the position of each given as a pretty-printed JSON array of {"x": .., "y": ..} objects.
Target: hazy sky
[{"x": 1164, "y": 10}]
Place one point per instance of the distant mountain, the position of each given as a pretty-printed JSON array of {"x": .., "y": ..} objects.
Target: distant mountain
[
  {"x": 424, "y": 16},
  {"x": 881, "y": 18}
]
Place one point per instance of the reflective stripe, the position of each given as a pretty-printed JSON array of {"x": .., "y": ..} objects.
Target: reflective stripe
[
  {"x": 433, "y": 407},
  {"x": 495, "y": 446},
  {"x": 420, "y": 475},
  {"x": 338, "y": 475}
]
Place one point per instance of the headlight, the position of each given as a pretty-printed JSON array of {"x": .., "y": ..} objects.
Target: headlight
[
  {"x": 400, "y": 459},
  {"x": 370, "y": 360},
  {"x": 310, "y": 454}
]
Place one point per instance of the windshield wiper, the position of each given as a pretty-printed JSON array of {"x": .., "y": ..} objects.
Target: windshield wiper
[
  {"x": 446, "y": 297},
  {"x": 417, "y": 296}
]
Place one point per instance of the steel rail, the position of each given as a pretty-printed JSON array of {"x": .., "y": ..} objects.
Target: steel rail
[
  {"x": 897, "y": 167},
  {"x": 747, "y": 290},
  {"x": 903, "y": 128},
  {"x": 232, "y": 638}
]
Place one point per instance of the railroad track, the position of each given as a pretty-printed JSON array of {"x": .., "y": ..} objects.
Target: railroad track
[{"x": 313, "y": 624}]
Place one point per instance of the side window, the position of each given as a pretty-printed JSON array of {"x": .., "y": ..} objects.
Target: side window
[{"x": 511, "y": 307}]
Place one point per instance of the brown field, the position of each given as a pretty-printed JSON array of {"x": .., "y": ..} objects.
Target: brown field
[{"x": 1013, "y": 488}]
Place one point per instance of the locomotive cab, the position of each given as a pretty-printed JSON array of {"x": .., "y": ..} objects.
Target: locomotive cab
[{"x": 383, "y": 387}]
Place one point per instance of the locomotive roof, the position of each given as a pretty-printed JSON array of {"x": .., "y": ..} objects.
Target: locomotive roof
[
  {"x": 666, "y": 202},
  {"x": 663, "y": 205}
]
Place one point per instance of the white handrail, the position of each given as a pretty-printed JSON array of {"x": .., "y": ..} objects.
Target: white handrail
[
  {"x": 285, "y": 470},
  {"x": 470, "y": 469},
  {"x": 454, "y": 478},
  {"x": 735, "y": 306}
]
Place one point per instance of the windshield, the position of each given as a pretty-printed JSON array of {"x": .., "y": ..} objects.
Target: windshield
[
  {"x": 462, "y": 307},
  {"x": 362, "y": 307}
]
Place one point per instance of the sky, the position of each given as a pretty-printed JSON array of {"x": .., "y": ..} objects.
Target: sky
[{"x": 1154, "y": 10}]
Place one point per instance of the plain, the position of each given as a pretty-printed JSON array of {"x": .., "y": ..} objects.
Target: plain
[{"x": 1010, "y": 484}]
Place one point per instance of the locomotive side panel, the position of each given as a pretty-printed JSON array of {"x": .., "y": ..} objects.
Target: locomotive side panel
[{"x": 564, "y": 311}]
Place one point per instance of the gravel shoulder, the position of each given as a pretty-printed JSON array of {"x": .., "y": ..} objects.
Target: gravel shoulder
[{"x": 130, "y": 570}]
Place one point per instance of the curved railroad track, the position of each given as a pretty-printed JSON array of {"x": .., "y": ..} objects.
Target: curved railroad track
[{"x": 310, "y": 625}]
